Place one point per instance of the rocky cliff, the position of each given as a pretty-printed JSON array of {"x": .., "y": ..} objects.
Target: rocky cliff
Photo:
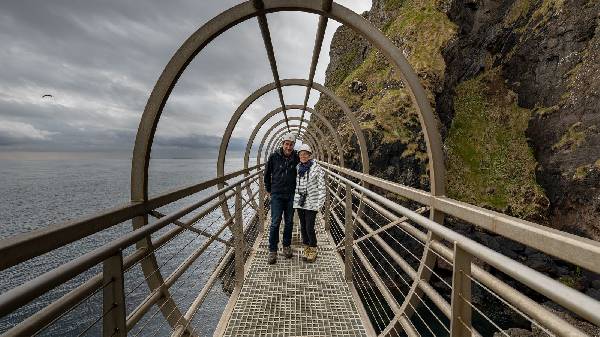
[{"x": 516, "y": 87}]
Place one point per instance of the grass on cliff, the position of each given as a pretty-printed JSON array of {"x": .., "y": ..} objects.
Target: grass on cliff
[
  {"x": 519, "y": 9},
  {"x": 425, "y": 32},
  {"x": 571, "y": 139},
  {"x": 490, "y": 163},
  {"x": 421, "y": 31},
  {"x": 390, "y": 5}
]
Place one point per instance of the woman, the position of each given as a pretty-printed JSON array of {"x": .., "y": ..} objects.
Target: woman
[{"x": 309, "y": 197}]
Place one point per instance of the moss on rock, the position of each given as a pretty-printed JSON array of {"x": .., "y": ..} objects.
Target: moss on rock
[
  {"x": 385, "y": 106},
  {"x": 490, "y": 163},
  {"x": 571, "y": 139},
  {"x": 519, "y": 9},
  {"x": 390, "y": 5}
]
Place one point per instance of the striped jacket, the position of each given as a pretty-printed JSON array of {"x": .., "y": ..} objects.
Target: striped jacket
[{"x": 313, "y": 184}]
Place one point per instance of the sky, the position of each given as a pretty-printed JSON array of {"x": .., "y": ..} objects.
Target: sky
[{"x": 99, "y": 61}]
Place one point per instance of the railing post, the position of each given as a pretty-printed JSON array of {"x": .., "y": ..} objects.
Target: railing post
[
  {"x": 460, "y": 323},
  {"x": 113, "y": 297},
  {"x": 327, "y": 211},
  {"x": 349, "y": 235},
  {"x": 261, "y": 205},
  {"x": 238, "y": 237}
]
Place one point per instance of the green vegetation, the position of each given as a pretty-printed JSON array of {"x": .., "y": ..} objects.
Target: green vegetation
[
  {"x": 544, "y": 111},
  {"x": 572, "y": 280},
  {"x": 546, "y": 7},
  {"x": 519, "y": 9},
  {"x": 390, "y": 5},
  {"x": 571, "y": 139},
  {"x": 489, "y": 161},
  {"x": 344, "y": 67},
  {"x": 421, "y": 31},
  {"x": 425, "y": 31},
  {"x": 581, "y": 172}
]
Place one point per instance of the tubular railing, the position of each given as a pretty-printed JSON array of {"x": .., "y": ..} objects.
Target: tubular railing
[
  {"x": 382, "y": 244},
  {"x": 383, "y": 248},
  {"x": 104, "y": 271}
]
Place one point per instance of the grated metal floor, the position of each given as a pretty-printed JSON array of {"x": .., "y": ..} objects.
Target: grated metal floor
[{"x": 293, "y": 297}]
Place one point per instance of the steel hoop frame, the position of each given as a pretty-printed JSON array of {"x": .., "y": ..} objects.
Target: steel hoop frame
[
  {"x": 292, "y": 107},
  {"x": 278, "y": 133},
  {"x": 270, "y": 87},
  {"x": 208, "y": 32}
]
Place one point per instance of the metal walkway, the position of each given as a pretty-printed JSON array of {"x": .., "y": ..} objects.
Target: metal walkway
[{"x": 293, "y": 297}]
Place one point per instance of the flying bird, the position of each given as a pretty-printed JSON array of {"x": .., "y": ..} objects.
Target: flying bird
[{"x": 47, "y": 95}]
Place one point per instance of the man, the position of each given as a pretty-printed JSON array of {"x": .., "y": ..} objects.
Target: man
[{"x": 280, "y": 183}]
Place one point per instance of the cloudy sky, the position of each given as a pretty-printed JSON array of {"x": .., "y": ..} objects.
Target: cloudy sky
[{"x": 100, "y": 59}]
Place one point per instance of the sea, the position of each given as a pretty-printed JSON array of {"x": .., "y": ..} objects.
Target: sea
[{"x": 37, "y": 193}]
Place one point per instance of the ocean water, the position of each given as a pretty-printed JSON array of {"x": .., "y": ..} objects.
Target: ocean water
[{"x": 37, "y": 193}]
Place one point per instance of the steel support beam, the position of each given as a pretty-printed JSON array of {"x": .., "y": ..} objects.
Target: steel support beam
[
  {"x": 266, "y": 35},
  {"x": 460, "y": 323},
  {"x": 327, "y": 206},
  {"x": 238, "y": 237},
  {"x": 113, "y": 297},
  {"x": 349, "y": 235},
  {"x": 321, "y": 27}
]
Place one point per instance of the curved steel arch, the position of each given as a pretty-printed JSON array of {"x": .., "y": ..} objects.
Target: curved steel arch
[
  {"x": 270, "y": 87},
  {"x": 307, "y": 138},
  {"x": 301, "y": 127},
  {"x": 203, "y": 36},
  {"x": 291, "y": 82},
  {"x": 268, "y": 148},
  {"x": 273, "y": 136},
  {"x": 274, "y": 112},
  {"x": 276, "y": 137}
]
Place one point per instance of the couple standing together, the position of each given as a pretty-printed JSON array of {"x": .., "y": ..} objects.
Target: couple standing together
[{"x": 294, "y": 181}]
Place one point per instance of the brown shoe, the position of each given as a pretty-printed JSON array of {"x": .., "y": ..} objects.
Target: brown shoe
[
  {"x": 306, "y": 252},
  {"x": 287, "y": 252},
  {"x": 272, "y": 257},
  {"x": 312, "y": 254}
]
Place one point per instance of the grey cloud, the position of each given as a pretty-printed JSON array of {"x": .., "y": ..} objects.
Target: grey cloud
[{"x": 100, "y": 59}]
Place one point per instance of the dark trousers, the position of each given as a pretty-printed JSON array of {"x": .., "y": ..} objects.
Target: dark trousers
[
  {"x": 307, "y": 227},
  {"x": 281, "y": 204}
]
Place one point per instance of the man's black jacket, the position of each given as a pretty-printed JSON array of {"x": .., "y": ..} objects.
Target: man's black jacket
[{"x": 280, "y": 172}]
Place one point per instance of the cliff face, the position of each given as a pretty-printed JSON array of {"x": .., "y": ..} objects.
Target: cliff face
[{"x": 516, "y": 87}]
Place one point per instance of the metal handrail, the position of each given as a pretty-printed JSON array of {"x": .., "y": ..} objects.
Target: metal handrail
[
  {"x": 47, "y": 314},
  {"x": 22, "y": 247},
  {"x": 575, "y": 249},
  {"x": 24, "y": 293},
  {"x": 571, "y": 299},
  {"x": 535, "y": 310}
]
